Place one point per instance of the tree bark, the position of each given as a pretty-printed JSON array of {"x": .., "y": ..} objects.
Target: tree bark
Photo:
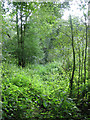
[
  {"x": 79, "y": 72},
  {"x": 71, "y": 80},
  {"x": 17, "y": 26},
  {"x": 82, "y": 67},
  {"x": 22, "y": 41},
  {"x": 88, "y": 45},
  {"x": 85, "y": 55}
]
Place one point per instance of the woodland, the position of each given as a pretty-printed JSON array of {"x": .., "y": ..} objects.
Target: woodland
[{"x": 44, "y": 62}]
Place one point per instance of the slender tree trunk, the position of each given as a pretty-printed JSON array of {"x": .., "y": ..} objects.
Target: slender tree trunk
[
  {"x": 88, "y": 45},
  {"x": 79, "y": 72},
  {"x": 19, "y": 61},
  {"x": 25, "y": 25},
  {"x": 22, "y": 40},
  {"x": 82, "y": 67},
  {"x": 21, "y": 55},
  {"x": 85, "y": 55},
  {"x": 71, "y": 80}
]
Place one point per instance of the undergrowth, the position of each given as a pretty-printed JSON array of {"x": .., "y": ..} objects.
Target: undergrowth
[{"x": 37, "y": 92}]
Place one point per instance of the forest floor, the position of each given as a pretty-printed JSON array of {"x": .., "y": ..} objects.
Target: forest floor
[{"x": 41, "y": 92}]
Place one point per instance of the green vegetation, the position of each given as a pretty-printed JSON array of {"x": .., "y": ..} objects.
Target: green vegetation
[
  {"x": 44, "y": 62},
  {"x": 38, "y": 92}
]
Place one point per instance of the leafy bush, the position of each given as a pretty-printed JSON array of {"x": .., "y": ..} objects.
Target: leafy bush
[{"x": 36, "y": 92}]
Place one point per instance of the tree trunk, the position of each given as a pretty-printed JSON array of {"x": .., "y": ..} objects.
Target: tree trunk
[
  {"x": 22, "y": 41},
  {"x": 85, "y": 55},
  {"x": 18, "y": 52},
  {"x": 82, "y": 67},
  {"x": 88, "y": 47},
  {"x": 79, "y": 72},
  {"x": 25, "y": 25},
  {"x": 71, "y": 80}
]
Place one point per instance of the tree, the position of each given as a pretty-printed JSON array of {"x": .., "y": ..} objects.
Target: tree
[
  {"x": 88, "y": 44},
  {"x": 85, "y": 52},
  {"x": 71, "y": 80},
  {"x": 17, "y": 44}
]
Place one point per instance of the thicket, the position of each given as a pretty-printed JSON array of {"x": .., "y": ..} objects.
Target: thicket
[{"x": 40, "y": 92}]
